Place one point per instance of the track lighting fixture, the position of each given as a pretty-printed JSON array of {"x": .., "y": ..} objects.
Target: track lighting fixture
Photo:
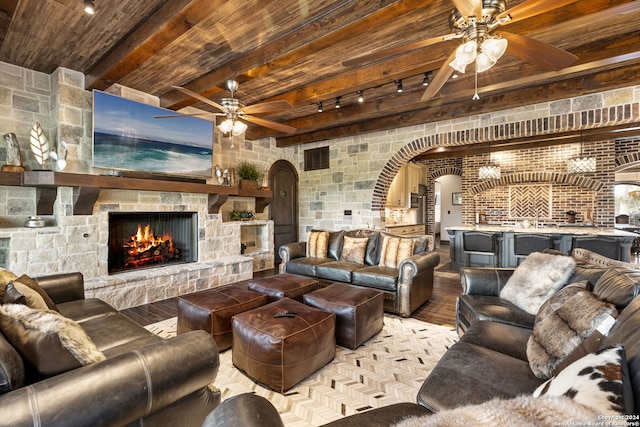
[
  {"x": 89, "y": 7},
  {"x": 425, "y": 81},
  {"x": 360, "y": 96},
  {"x": 399, "y": 86},
  {"x": 319, "y": 107},
  {"x": 338, "y": 102}
]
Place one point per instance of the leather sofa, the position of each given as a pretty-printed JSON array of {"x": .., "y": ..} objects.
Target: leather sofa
[
  {"x": 489, "y": 360},
  {"x": 405, "y": 288},
  {"x": 144, "y": 380}
]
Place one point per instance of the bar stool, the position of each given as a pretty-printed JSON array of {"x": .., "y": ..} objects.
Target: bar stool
[
  {"x": 479, "y": 243},
  {"x": 524, "y": 244},
  {"x": 605, "y": 246}
]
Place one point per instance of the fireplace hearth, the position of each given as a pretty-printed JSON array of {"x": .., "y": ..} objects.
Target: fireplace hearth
[{"x": 151, "y": 239}]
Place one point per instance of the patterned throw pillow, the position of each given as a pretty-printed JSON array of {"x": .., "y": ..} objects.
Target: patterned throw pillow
[
  {"x": 394, "y": 250},
  {"x": 594, "y": 381},
  {"x": 563, "y": 322},
  {"x": 353, "y": 249},
  {"x": 317, "y": 244}
]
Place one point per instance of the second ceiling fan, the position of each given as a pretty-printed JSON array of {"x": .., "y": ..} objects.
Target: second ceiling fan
[
  {"x": 475, "y": 23},
  {"x": 235, "y": 111}
]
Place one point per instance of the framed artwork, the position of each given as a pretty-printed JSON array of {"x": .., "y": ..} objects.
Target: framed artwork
[
  {"x": 456, "y": 198},
  {"x": 129, "y": 135}
]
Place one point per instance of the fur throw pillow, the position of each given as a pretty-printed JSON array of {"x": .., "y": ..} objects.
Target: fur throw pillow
[
  {"x": 557, "y": 333},
  {"x": 394, "y": 251},
  {"x": 353, "y": 249},
  {"x": 519, "y": 411},
  {"x": 538, "y": 277},
  {"x": 317, "y": 244},
  {"x": 49, "y": 341}
]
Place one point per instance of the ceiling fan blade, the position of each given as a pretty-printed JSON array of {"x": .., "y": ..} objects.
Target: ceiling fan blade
[
  {"x": 536, "y": 52},
  {"x": 395, "y": 51},
  {"x": 439, "y": 79},
  {"x": 171, "y": 116},
  {"x": 531, "y": 8},
  {"x": 269, "y": 124},
  {"x": 268, "y": 107},
  {"x": 199, "y": 97},
  {"x": 469, "y": 8}
]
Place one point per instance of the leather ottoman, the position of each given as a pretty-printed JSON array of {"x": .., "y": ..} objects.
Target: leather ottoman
[
  {"x": 283, "y": 285},
  {"x": 211, "y": 311},
  {"x": 279, "y": 352},
  {"x": 359, "y": 311}
]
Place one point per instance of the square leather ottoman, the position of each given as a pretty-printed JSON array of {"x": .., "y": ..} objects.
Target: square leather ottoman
[
  {"x": 211, "y": 311},
  {"x": 283, "y": 285},
  {"x": 279, "y": 352},
  {"x": 359, "y": 311}
]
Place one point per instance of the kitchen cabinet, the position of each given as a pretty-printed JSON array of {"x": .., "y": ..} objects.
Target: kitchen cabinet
[
  {"x": 407, "y": 230},
  {"x": 407, "y": 181},
  {"x": 413, "y": 175},
  {"x": 398, "y": 197}
]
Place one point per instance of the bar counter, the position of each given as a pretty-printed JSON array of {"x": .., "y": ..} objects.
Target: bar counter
[{"x": 561, "y": 236}]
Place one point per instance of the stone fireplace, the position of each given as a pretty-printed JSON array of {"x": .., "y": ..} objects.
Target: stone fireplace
[{"x": 151, "y": 239}]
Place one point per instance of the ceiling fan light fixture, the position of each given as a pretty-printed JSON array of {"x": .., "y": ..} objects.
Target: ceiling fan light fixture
[
  {"x": 466, "y": 52},
  {"x": 484, "y": 62},
  {"x": 458, "y": 66},
  {"x": 226, "y": 126},
  {"x": 238, "y": 128},
  {"x": 494, "y": 47}
]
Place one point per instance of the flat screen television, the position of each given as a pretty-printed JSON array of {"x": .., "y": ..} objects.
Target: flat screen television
[{"x": 128, "y": 136}]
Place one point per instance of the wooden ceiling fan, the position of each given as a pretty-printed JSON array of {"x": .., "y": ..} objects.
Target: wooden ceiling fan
[
  {"x": 475, "y": 23},
  {"x": 236, "y": 111}
]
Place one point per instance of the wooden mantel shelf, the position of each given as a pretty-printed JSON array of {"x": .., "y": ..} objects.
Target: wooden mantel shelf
[{"x": 86, "y": 189}]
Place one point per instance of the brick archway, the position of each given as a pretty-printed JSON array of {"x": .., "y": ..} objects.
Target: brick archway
[{"x": 593, "y": 118}]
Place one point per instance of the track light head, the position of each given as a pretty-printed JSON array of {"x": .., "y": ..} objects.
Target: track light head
[
  {"x": 319, "y": 107},
  {"x": 425, "y": 81},
  {"x": 399, "y": 87},
  {"x": 338, "y": 102},
  {"x": 89, "y": 7},
  {"x": 361, "y": 96}
]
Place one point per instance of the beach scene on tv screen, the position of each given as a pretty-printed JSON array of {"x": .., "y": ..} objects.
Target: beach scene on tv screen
[{"x": 128, "y": 136}]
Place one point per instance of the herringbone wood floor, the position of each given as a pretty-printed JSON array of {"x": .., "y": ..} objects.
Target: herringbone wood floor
[{"x": 440, "y": 309}]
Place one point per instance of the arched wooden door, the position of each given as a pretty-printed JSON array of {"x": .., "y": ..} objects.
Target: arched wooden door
[{"x": 283, "y": 180}]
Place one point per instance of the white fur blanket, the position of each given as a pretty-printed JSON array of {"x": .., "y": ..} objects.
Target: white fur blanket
[{"x": 519, "y": 411}]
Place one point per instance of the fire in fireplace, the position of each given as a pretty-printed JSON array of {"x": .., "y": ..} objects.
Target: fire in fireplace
[
  {"x": 150, "y": 239},
  {"x": 144, "y": 248}
]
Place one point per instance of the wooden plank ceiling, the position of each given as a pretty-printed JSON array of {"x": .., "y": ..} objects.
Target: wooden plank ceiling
[{"x": 294, "y": 50}]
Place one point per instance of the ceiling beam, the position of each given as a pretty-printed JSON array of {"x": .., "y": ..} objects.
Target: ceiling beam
[
  {"x": 317, "y": 34},
  {"x": 170, "y": 21}
]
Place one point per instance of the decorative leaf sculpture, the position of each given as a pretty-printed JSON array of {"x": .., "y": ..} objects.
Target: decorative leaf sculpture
[{"x": 40, "y": 146}]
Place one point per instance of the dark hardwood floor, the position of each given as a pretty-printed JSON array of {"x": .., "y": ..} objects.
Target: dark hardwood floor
[{"x": 440, "y": 309}]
